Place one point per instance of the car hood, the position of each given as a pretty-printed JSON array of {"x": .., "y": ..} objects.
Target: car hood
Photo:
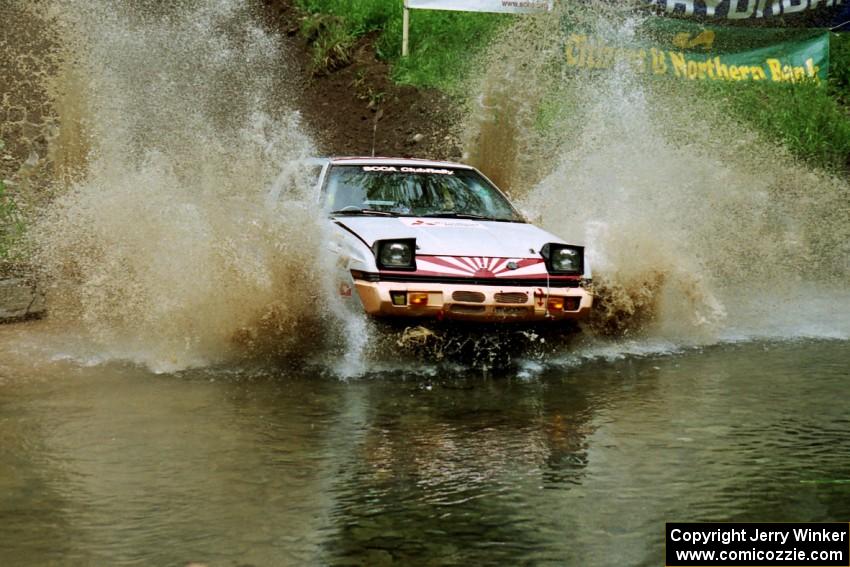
[{"x": 454, "y": 237}]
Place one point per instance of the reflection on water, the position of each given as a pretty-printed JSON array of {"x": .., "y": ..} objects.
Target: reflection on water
[{"x": 110, "y": 464}]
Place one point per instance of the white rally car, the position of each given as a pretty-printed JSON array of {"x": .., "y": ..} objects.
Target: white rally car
[{"x": 438, "y": 240}]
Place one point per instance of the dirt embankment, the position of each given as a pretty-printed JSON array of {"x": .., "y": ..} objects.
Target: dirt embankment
[
  {"x": 26, "y": 115},
  {"x": 358, "y": 108},
  {"x": 350, "y": 111}
]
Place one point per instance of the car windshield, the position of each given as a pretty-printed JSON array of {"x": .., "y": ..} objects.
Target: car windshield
[{"x": 397, "y": 190}]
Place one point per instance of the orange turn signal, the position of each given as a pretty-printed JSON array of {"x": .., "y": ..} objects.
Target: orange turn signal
[
  {"x": 556, "y": 304},
  {"x": 417, "y": 299}
]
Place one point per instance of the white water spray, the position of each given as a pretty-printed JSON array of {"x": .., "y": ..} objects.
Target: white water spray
[
  {"x": 165, "y": 246},
  {"x": 698, "y": 228}
]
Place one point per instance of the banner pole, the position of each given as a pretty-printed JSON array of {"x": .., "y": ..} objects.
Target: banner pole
[{"x": 405, "y": 31}]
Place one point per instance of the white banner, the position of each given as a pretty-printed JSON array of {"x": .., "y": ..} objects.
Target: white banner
[{"x": 509, "y": 6}]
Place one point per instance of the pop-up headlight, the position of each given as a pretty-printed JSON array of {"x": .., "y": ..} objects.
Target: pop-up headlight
[
  {"x": 396, "y": 254},
  {"x": 563, "y": 259}
]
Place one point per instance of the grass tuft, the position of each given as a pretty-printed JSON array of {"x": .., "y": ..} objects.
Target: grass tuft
[
  {"x": 839, "y": 67},
  {"x": 330, "y": 40}
]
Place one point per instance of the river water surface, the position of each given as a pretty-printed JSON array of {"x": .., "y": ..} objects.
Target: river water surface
[{"x": 578, "y": 463}]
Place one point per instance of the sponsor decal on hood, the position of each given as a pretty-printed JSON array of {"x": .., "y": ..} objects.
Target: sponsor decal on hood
[{"x": 441, "y": 223}]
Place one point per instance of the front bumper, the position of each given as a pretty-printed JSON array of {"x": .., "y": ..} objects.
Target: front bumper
[{"x": 475, "y": 302}]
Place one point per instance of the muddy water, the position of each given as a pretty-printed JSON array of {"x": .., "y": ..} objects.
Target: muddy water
[{"x": 576, "y": 462}]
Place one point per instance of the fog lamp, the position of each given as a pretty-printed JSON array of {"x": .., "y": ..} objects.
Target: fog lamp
[
  {"x": 418, "y": 299},
  {"x": 572, "y": 303},
  {"x": 399, "y": 298}
]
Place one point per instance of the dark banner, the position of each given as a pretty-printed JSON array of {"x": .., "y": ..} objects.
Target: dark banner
[{"x": 812, "y": 13}]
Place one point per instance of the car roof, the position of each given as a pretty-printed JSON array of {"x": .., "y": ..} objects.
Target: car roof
[{"x": 394, "y": 161}]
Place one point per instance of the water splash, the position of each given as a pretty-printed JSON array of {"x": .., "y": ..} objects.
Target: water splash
[
  {"x": 181, "y": 236},
  {"x": 163, "y": 244},
  {"x": 698, "y": 228}
]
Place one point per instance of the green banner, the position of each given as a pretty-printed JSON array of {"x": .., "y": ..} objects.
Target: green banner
[{"x": 695, "y": 52}]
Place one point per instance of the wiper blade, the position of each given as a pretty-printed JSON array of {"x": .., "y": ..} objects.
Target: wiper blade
[
  {"x": 356, "y": 211},
  {"x": 456, "y": 215}
]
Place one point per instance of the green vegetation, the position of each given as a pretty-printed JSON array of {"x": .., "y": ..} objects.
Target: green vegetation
[
  {"x": 331, "y": 42},
  {"x": 805, "y": 117},
  {"x": 441, "y": 43},
  {"x": 839, "y": 68},
  {"x": 812, "y": 120}
]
